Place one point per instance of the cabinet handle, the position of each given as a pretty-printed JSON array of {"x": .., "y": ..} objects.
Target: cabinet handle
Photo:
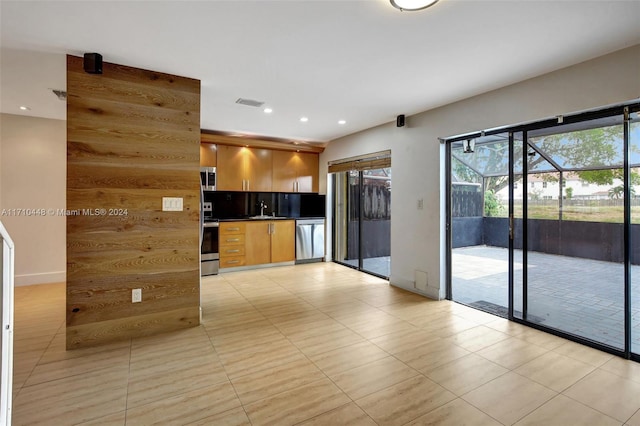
[
  {"x": 297, "y": 186},
  {"x": 233, "y": 251},
  {"x": 248, "y": 185},
  {"x": 232, "y": 261},
  {"x": 233, "y": 229},
  {"x": 233, "y": 240}
]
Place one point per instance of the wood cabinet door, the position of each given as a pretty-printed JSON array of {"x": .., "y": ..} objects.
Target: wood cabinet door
[
  {"x": 258, "y": 167},
  {"x": 285, "y": 171},
  {"x": 231, "y": 168},
  {"x": 257, "y": 242},
  {"x": 283, "y": 248},
  {"x": 208, "y": 155},
  {"x": 308, "y": 169}
]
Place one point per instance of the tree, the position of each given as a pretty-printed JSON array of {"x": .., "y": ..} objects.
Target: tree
[{"x": 569, "y": 192}]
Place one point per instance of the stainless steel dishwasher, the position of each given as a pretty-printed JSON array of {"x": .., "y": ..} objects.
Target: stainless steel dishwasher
[{"x": 309, "y": 240}]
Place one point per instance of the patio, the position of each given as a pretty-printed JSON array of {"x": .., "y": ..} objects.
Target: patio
[{"x": 576, "y": 295}]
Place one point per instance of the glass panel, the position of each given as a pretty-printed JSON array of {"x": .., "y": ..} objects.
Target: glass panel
[
  {"x": 480, "y": 224},
  {"x": 575, "y": 252},
  {"x": 376, "y": 221},
  {"x": 634, "y": 147},
  {"x": 346, "y": 214}
]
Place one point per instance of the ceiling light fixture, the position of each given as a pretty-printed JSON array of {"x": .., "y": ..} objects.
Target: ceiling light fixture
[
  {"x": 24, "y": 108},
  {"x": 412, "y": 5},
  {"x": 268, "y": 110},
  {"x": 342, "y": 122},
  {"x": 304, "y": 119}
]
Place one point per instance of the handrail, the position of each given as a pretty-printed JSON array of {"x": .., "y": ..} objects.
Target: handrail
[{"x": 6, "y": 367}]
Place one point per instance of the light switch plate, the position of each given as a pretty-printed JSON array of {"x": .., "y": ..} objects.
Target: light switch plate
[
  {"x": 136, "y": 295},
  {"x": 171, "y": 204}
]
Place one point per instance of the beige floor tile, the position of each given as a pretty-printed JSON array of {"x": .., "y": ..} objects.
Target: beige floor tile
[
  {"x": 318, "y": 344},
  {"x": 76, "y": 366},
  {"x": 265, "y": 383},
  {"x": 245, "y": 341},
  {"x": 555, "y": 371},
  {"x": 262, "y": 357},
  {"x": 399, "y": 342},
  {"x": 583, "y": 353},
  {"x": 567, "y": 412},
  {"x": 348, "y": 357},
  {"x": 233, "y": 417},
  {"x": 634, "y": 420},
  {"x": 508, "y": 327},
  {"x": 49, "y": 408},
  {"x": 185, "y": 408},
  {"x": 147, "y": 388},
  {"x": 509, "y": 397},
  {"x": 349, "y": 414},
  {"x": 446, "y": 326},
  {"x": 624, "y": 368},
  {"x": 117, "y": 419},
  {"x": 372, "y": 377},
  {"x": 312, "y": 329},
  {"x": 512, "y": 352},
  {"x": 297, "y": 405},
  {"x": 431, "y": 355},
  {"x": 456, "y": 412},
  {"x": 540, "y": 338},
  {"x": 465, "y": 374},
  {"x": 405, "y": 401},
  {"x": 477, "y": 338},
  {"x": 608, "y": 393}
]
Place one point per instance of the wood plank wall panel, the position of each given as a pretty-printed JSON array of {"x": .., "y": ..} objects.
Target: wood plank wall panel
[{"x": 133, "y": 137}]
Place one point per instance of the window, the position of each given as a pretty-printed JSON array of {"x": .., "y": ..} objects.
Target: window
[{"x": 544, "y": 184}]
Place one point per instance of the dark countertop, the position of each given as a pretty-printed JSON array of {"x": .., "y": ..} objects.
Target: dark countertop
[{"x": 247, "y": 219}]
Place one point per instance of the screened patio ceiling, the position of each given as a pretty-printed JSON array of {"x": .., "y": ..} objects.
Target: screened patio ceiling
[{"x": 592, "y": 145}]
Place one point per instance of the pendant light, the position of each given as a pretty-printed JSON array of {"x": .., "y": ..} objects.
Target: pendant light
[{"x": 412, "y": 4}]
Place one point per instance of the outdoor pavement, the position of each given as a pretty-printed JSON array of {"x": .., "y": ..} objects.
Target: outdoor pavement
[{"x": 579, "y": 296}]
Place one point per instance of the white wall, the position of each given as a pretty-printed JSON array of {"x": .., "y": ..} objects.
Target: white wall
[
  {"x": 33, "y": 176},
  {"x": 417, "y": 235}
]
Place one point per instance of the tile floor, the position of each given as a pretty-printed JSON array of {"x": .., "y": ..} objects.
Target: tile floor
[{"x": 317, "y": 344}]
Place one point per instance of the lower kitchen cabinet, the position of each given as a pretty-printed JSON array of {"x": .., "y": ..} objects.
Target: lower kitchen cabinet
[{"x": 270, "y": 241}]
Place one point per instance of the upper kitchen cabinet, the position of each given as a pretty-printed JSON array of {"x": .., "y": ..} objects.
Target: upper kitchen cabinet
[
  {"x": 208, "y": 155},
  {"x": 295, "y": 172},
  {"x": 243, "y": 169}
]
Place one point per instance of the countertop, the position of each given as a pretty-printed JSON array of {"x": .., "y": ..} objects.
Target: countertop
[{"x": 248, "y": 219}]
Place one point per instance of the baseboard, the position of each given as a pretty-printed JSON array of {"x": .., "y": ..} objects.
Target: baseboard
[
  {"x": 43, "y": 278},
  {"x": 431, "y": 292}
]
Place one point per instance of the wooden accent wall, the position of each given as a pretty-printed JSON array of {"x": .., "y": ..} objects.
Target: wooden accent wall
[{"x": 133, "y": 137}]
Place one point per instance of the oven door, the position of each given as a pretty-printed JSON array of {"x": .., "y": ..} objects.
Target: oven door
[{"x": 210, "y": 256}]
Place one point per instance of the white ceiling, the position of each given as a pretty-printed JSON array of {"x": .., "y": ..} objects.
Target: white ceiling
[{"x": 361, "y": 61}]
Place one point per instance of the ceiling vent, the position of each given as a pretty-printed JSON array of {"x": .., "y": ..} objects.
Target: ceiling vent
[
  {"x": 61, "y": 94},
  {"x": 249, "y": 102}
]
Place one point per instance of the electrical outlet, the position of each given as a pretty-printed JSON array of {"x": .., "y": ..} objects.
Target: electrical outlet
[
  {"x": 136, "y": 295},
  {"x": 171, "y": 204},
  {"x": 420, "y": 204}
]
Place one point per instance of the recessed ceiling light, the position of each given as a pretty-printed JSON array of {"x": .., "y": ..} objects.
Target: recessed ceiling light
[
  {"x": 342, "y": 122},
  {"x": 25, "y": 108},
  {"x": 304, "y": 119},
  {"x": 268, "y": 110}
]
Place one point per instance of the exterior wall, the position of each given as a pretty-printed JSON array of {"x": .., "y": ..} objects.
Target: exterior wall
[{"x": 417, "y": 236}]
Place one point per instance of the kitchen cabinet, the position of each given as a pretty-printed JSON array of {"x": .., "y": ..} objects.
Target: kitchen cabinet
[
  {"x": 232, "y": 244},
  {"x": 295, "y": 171},
  {"x": 270, "y": 241},
  {"x": 243, "y": 169},
  {"x": 208, "y": 155}
]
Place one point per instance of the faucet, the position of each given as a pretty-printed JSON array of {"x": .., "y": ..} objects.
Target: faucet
[{"x": 262, "y": 207}]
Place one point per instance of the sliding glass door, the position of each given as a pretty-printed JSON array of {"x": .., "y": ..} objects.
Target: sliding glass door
[
  {"x": 362, "y": 219},
  {"x": 544, "y": 225}
]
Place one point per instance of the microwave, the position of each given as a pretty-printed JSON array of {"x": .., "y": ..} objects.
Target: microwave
[{"x": 208, "y": 178}]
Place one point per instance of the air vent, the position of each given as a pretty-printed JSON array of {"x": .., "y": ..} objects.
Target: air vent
[
  {"x": 249, "y": 102},
  {"x": 61, "y": 94}
]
